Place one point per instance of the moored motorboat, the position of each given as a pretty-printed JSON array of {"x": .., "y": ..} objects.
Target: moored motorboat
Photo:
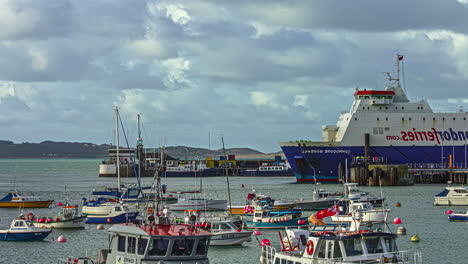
[
  {"x": 321, "y": 199},
  {"x": 16, "y": 200},
  {"x": 186, "y": 202},
  {"x": 458, "y": 216},
  {"x": 68, "y": 218},
  {"x": 266, "y": 218},
  {"x": 452, "y": 195},
  {"x": 352, "y": 192},
  {"x": 299, "y": 246},
  {"x": 370, "y": 215},
  {"x": 23, "y": 230},
  {"x": 118, "y": 214}
]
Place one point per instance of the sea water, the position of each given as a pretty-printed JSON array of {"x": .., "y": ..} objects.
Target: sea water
[{"x": 441, "y": 241}]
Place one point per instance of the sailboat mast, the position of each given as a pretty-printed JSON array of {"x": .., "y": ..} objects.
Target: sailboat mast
[
  {"x": 117, "y": 146},
  {"x": 139, "y": 146},
  {"x": 227, "y": 174}
]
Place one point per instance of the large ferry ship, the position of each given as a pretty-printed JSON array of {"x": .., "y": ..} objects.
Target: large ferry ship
[{"x": 382, "y": 124}]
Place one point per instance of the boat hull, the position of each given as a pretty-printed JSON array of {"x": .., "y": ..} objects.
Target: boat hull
[
  {"x": 230, "y": 238},
  {"x": 269, "y": 225},
  {"x": 445, "y": 201},
  {"x": 367, "y": 217},
  {"x": 24, "y": 236},
  {"x": 458, "y": 217},
  {"x": 121, "y": 218},
  {"x": 321, "y": 163},
  {"x": 78, "y": 222},
  {"x": 26, "y": 204}
]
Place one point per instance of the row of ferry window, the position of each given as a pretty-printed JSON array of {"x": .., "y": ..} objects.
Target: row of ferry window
[
  {"x": 160, "y": 246},
  {"x": 396, "y": 107},
  {"x": 424, "y": 119}
]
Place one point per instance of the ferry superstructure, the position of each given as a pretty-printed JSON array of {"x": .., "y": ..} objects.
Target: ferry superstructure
[{"x": 383, "y": 124}]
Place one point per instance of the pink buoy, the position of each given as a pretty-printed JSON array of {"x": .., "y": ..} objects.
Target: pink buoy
[
  {"x": 397, "y": 221},
  {"x": 449, "y": 212},
  {"x": 285, "y": 219},
  {"x": 257, "y": 232},
  {"x": 265, "y": 242},
  {"x": 299, "y": 222},
  {"x": 43, "y": 219},
  {"x": 61, "y": 239},
  {"x": 57, "y": 219},
  {"x": 49, "y": 220},
  {"x": 269, "y": 220},
  {"x": 197, "y": 224},
  {"x": 59, "y": 204}
]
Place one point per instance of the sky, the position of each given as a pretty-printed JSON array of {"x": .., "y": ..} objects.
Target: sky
[{"x": 253, "y": 72}]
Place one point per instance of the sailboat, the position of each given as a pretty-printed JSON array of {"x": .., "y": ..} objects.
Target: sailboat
[{"x": 108, "y": 201}]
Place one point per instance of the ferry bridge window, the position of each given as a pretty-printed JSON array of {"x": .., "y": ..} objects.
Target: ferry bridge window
[
  {"x": 183, "y": 247},
  {"x": 131, "y": 245},
  {"x": 374, "y": 246},
  {"x": 202, "y": 246},
  {"x": 353, "y": 247},
  {"x": 158, "y": 247},
  {"x": 142, "y": 243},
  {"x": 390, "y": 244},
  {"x": 121, "y": 243}
]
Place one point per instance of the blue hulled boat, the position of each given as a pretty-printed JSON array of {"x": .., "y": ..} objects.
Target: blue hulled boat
[
  {"x": 22, "y": 230},
  {"x": 118, "y": 214},
  {"x": 458, "y": 216}
]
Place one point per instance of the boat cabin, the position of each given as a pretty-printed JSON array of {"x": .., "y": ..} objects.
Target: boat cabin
[
  {"x": 339, "y": 247},
  {"x": 21, "y": 224},
  {"x": 153, "y": 243}
]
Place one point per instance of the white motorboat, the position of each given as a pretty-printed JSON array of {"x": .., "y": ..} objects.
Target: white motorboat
[
  {"x": 225, "y": 231},
  {"x": 352, "y": 192},
  {"x": 185, "y": 202},
  {"x": 68, "y": 218},
  {"x": 369, "y": 213},
  {"x": 299, "y": 246},
  {"x": 452, "y": 195}
]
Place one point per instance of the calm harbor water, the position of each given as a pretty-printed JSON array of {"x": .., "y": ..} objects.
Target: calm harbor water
[{"x": 441, "y": 241}]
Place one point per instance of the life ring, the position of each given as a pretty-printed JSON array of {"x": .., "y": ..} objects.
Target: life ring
[
  {"x": 310, "y": 247},
  {"x": 30, "y": 216}
]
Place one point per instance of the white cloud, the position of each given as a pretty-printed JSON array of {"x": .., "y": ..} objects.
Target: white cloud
[
  {"x": 300, "y": 100},
  {"x": 260, "y": 98},
  {"x": 39, "y": 59},
  {"x": 176, "y": 68},
  {"x": 262, "y": 29}
]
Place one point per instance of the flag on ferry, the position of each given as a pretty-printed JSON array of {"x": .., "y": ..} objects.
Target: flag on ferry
[
  {"x": 400, "y": 57},
  {"x": 327, "y": 212}
]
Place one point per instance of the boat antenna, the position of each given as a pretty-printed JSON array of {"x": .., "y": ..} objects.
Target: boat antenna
[
  {"x": 117, "y": 146},
  {"x": 227, "y": 174}
]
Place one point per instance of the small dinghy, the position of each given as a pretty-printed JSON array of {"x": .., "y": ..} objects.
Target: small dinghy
[
  {"x": 21, "y": 230},
  {"x": 458, "y": 216}
]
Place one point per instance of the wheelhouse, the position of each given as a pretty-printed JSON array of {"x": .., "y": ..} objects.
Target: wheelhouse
[{"x": 145, "y": 244}]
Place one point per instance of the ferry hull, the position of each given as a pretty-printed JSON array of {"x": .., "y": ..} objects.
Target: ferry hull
[
  {"x": 30, "y": 204},
  {"x": 322, "y": 163}
]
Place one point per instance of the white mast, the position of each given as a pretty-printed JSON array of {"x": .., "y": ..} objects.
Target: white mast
[{"x": 117, "y": 146}]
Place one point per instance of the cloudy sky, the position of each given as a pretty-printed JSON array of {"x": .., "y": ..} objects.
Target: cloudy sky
[{"x": 256, "y": 72}]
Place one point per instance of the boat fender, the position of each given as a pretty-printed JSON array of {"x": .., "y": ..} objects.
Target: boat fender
[{"x": 310, "y": 247}]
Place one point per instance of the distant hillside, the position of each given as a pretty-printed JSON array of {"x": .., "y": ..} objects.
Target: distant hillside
[
  {"x": 50, "y": 149},
  {"x": 183, "y": 152}
]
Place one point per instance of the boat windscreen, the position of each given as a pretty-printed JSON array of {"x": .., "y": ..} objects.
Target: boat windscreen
[
  {"x": 202, "y": 247},
  {"x": 158, "y": 247},
  {"x": 183, "y": 247},
  {"x": 374, "y": 245},
  {"x": 353, "y": 247}
]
